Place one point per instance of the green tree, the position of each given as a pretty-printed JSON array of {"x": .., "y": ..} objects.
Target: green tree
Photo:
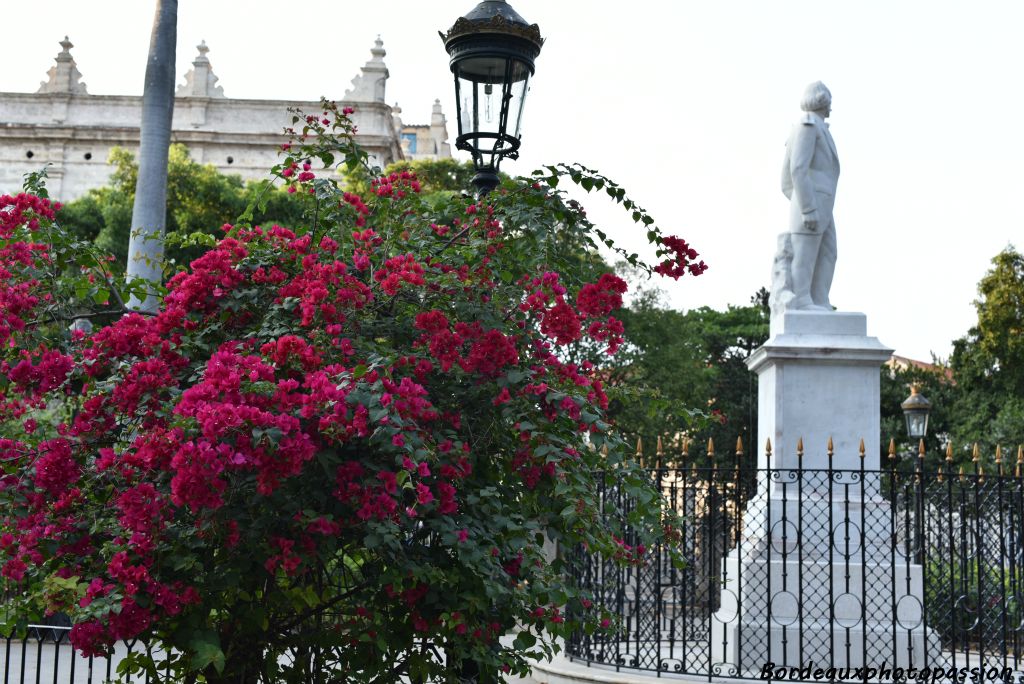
[
  {"x": 201, "y": 199},
  {"x": 937, "y": 386},
  {"x": 438, "y": 178},
  {"x": 692, "y": 368},
  {"x": 438, "y": 175},
  {"x": 988, "y": 362}
]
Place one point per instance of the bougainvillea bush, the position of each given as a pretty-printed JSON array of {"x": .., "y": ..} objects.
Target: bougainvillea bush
[{"x": 339, "y": 451}]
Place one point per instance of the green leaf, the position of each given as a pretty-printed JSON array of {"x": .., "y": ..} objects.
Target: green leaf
[
  {"x": 207, "y": 651},
  {"x": 523, "y": 641},
  {"x": 275, "y": 435}
]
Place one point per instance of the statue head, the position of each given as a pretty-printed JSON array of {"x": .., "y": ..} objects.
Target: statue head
[{"x": 816, "y": 98}]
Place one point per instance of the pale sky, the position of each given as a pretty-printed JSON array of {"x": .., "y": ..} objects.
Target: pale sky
[{"x": 687, "y": 104}]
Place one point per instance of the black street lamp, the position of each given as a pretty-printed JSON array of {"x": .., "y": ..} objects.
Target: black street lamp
[
  {"x": 915, "y": 410},
  {"x": 492, "y": 51}
]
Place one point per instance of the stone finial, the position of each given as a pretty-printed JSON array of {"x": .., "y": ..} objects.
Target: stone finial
[
  {"x": 439, "y": 131},
  {"x": 369, "y": 85},
  {"x": 65, "y": 53},
  {"x": 203, "y": 49},
  {"x": 200, "y": 81},
  {"x": 378, "y": 51},
  {"x": 396, "y": 118},
  {"x": 64, "y": 77},
  {"x": 436, "y": 115}
]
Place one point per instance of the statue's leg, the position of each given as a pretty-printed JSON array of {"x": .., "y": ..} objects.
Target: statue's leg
[
  {"x": 824, "y": 268},
  {"x": 805, "y": 252}
]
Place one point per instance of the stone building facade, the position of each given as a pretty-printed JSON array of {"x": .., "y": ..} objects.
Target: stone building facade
[{"x": 73, "y": 131}]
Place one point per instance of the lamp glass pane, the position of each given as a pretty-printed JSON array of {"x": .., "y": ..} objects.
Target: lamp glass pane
[
  {"x": 917, "y": 424},
  {"x": 517, "y": 89},
  {"x": 491, "y": 95}
]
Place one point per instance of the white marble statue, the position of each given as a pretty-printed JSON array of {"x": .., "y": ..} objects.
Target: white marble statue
[{"x": 806, "y": 256}]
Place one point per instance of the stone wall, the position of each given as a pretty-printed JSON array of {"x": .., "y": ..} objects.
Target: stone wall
[{"x": 73, "y": 131}]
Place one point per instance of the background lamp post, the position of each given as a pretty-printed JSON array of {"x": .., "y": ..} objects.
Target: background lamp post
[
  {"x": 915, "y": 410},
  {"x": 492, "y": 52}
]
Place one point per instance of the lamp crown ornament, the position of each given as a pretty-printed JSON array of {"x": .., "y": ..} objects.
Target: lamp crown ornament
[
  {"x": 493, "y": 16},
  {"x": 916, "y": 400}
]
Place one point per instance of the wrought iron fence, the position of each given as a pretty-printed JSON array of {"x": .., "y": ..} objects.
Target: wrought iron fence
[
  {"x": 809, "y": 568},
  {"x": 793, "y": 570},
  {"x": 43, "y": 653}
]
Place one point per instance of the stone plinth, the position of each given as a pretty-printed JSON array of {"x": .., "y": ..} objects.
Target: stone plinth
[{"x": 818, "y": 377}]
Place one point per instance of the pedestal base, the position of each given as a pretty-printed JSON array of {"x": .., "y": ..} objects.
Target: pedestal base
[
  {"x": 850, "y": 612},
  {"x": 818, "y": 576}
]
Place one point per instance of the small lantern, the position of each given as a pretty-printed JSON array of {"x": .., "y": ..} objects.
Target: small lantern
[
  {"x": 916, "y": 409},
  {"x": 492, "y": 52}
]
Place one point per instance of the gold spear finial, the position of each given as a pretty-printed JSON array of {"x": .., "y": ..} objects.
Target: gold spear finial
[
  {"x": 892, "y": 450},
  {"x": 949, "y": 452},
  {"x": 658, "y": 449},
  {"x": 939, "y": 478},
  {"x": 711, "y": 448},
  {"x": 920, "y": 449},
  {"x": 831, "y": 450},
  {"x": 961, "y": 473},
  {"x": 974, "y": 453},
  {"x": 768, "y": 448},
  {"x": 800, "y": 448},
  {"x": 862, "y": 454},
  {"x": 640, "y": 446},
  {"x": 999, "y": 460},
  {"x": 739, "y": 447}
]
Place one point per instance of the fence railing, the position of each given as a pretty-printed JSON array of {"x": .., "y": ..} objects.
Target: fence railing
[
  {"x": 853, "y": 569},
  {"x": 43, "y": 654},
  {"x": 857, "y": 570}
]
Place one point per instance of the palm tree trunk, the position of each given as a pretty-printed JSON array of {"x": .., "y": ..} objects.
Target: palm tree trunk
[{"x": 149, "y": 214}]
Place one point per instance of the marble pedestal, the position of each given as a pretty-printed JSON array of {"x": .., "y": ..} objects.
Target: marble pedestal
[
  {"x": 815, "y": 577},
  {"x": 818, "y": 377}
]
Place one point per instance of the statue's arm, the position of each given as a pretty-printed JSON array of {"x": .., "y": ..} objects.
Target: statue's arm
[{"x": 800, "y": 155}]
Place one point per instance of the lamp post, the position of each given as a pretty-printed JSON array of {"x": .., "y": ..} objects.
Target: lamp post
[
  {"x": 492, "y": 52},
  {"x": 915, "y": 409}
]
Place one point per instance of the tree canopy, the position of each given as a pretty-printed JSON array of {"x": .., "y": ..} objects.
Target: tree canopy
[
  {"x": 988, "y": 362},
  {"x": 691, "y": 365},
  {"x": 201, "y": 199}
]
